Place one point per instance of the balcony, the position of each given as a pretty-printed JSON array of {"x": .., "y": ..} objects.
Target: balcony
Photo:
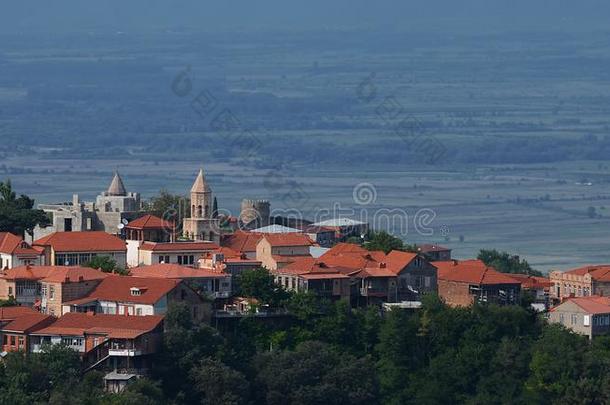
[
  {"x": 124, "y": 352},
  {"x": 373, "y": 292}
]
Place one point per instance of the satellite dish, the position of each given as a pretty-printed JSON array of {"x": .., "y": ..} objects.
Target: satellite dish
[
  {"x": 120, "y": 226},
  {"x": 124, "y": 221}
]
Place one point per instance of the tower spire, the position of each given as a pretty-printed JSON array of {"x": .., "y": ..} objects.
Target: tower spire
[
  {"x": 117, "y": 188},
  {"x": 200, "y": 185}
]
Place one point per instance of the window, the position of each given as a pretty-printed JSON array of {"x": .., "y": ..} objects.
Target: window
[
  {"x": 160, "y": 259},
  {"x": 574, "y": 319},
  {"x": 12, "y": 340},
  {"x": 586, "y": 320},
  {"x": 5, "y": 340},
  {"x": 191, "y": 259},
  {"x": 561, "y": 318},
  {"x": 10, "y": 291},
  {"x": 51, "y": 292},
  {"x": 43, "y": 290},
  {"x": 139, "y": 311},
  {"x": 427, "y": 281},
  {"x": 21, "y": 341}
]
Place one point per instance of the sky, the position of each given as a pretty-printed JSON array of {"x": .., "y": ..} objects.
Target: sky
[{"x": 59, "y": 16}]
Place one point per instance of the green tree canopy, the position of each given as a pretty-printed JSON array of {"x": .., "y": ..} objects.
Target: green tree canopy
[
  {"x": 260, "y": 284},
  {"x": 106, "y": 264},
  {"x": 17, "y": 214},
  {"x": 507, "y": 263}
]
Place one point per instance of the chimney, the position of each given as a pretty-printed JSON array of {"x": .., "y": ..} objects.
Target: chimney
[
  {"x": 81, "y": 278},
  {"x": 382, "y": 265}
]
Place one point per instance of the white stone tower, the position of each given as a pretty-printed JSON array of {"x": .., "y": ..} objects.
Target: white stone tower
[{"x": 202, "y": 225}]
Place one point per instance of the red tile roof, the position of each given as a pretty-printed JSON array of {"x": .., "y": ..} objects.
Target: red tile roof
[
  {"x": 592, "y": 304},
  {"x": 118, "y": 289},
  {"x": 396, "y": 260},
  {"x": 10, "y": 313},
  {"x": 14, "y": 245},
  {"x": 94, "y": 241},
  {"x": 179, "y": 246},
  {"x": 241, "y": 241},
  {"x": 581, "y": 271},
  {"x": 53, "y": 273},
  {"x": 112, "y": 326},
  {"x": 174, "y": 271},
  {"x": 531, "y": 282},
  {"x": 28, "y": 323},
  {"x": 471, "y": 271},
  {"x": 150, "y": 222},
  {"x": 288, "y": 239},
  {"x": 342, "y": 248}
]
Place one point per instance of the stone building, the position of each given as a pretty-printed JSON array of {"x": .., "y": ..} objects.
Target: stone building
[
  {"x": 110, "y": 211},
  {"x": 203, "y": 224},
  {"x": 580, "y": 282}
]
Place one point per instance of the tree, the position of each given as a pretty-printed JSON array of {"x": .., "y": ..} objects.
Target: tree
[
  {"x": 170, "y": 207},
  {"x": 17, "y": 215},
  {"x": 506, "y": 263},
  {"x": 260, "y": 284},
  {"x": 314, "y": 373},
  {"x": 215, "y": 208},
  {"x": 383, "y": 241},
  {"x": 216, "y": 383},
  {"x": 106, "y": 264}
]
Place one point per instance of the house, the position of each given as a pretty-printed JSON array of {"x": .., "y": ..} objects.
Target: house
[
  {"x": 108, "y": 213},
  {"x": 16, "y": 323},
  {"x": 344, "y": 228},
  {"x": 277, "y": 250},
  {"x": 15, "y": 252},
  {"x": 538, "y": 289},
  {"x": 322, "y": 236},
  {"x": 471, "y": 281},
  {"x": 63, "y": 284},
  {"x": 228, "y": 261},
  {"x": 115, "y": 342},
  {"x": 181, "y": 253},
  {"x": 589, "y": 316},
  {"x": 151, "y": 229},
  {"x": 45, "y": 287},
  {"x": 242, "y": 242},
  {"x": 377, "y": 285},
  {"x": 309, "y": 274},
  {"x": 416, "y": 276},
  {"x": 435, "y": 253},
  {"x": 208, "y": 283},
  {"x": 580, "y": 282},
  {"x": 78, "y": 248},
  {"x": 139, "y": 296}
]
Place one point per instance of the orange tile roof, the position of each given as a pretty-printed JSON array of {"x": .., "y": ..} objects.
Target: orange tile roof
[
  {"x": 396, "y": 260},
  {"x": 28, "y": 323},
  {"x": 116, "y": 288},
  {"x": 376, "y": 272},
  {"x": 241, "y": 241},
  {"x": 63, "y": 274},
  {"x": 174, "y": 271},
  {"x": 53, "y": 273},
  {"x": 10, "y": 313},
  {"x": 342, "y": 248},
  {"x": 471, "y": 271},
  {"x": 179, "y": 246},
  {"x": 150, "y": 222},
  {"x": 94, "y": 241},
  {"x": 14, "y": 245},
  {"x": 531, "y": 282},
  {"x": 288, "y": 239},
  {"x": 113, "y": 326},
  {"x": 592, "y": 304}
]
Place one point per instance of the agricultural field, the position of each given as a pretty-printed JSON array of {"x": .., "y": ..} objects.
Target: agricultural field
[{"x": 506, "y": 140}]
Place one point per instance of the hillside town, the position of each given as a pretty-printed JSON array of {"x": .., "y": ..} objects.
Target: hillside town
[{"x": 59, "y": 289}]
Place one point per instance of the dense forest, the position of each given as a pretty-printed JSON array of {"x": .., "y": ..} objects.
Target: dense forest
[{"x": 332, "y": 354}]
